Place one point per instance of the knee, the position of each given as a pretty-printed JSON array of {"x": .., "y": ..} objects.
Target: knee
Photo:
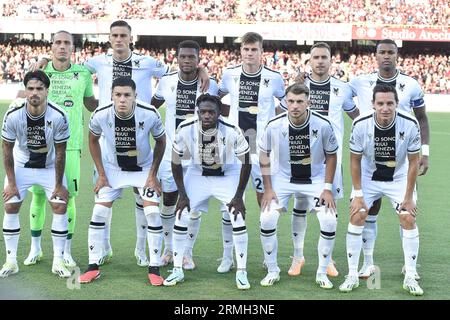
[
  {"x": 269, "y": 219},
  {"x": 196, "y": 215},
  {"x": 182, "y": 220},
  {"x": 170, "y": 198},
  {"x": 59, "y": 208},
  {"x": 327, "y": 220},
  {"x": 358, "y": 219},
  {"x": 407, "y": 220},
  {"x": 12, "y": 207}
]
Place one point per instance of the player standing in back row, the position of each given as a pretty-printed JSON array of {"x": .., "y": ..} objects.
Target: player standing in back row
[
  {"x": 252, "y": 88},
  {"x": 410, "y": 99}
]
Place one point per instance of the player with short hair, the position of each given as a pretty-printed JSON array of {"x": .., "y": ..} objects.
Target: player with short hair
[
  {"x": 71, "y": 89},
  {"x": 252, "y": 88},
  {"x": 34, "y": 151},
  {"x": 179, "y": 91},
  {"x": 384, "y": 158},
  {"x": 410, "y": 97},
  {"x": 298, "y": 158},
  {"x": 216, "y": 149},
  {"x": 125, "y": 159},
  {"x": 329, "y": 97}
]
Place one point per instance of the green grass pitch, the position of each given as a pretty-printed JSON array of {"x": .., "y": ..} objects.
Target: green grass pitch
[{"x": 123, "y": 279}]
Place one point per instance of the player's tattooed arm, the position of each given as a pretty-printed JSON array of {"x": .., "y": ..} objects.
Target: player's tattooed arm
[
  {"x": 8, "y": 162},
  {"x": 237, "y": 202},
  {"x": 60, "y": 162},
  {"x": 177, "y": 171},
  {"x": 158, "y": 153},
  {"x": 422, "y": 118}
]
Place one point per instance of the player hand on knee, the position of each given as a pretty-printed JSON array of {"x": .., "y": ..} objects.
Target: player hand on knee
[
  {"x": 409, "y": 206},
  {"x": 358, "y": 205},
  {"x": 326, "y": 199},
  {"x": 60, "y": 193},
  {"x": 154, "y": 184},
  {"x": 236, "y": 206},
  {"x": 183, "y": 203},
  {"x": 268, "y": 196},
  {"x": 9, "y": 192},
  {"x": 101, "y": 182}
]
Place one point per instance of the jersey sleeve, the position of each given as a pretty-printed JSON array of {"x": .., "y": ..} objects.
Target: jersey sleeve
[
  {"x": 353, "y": 84},
  {"x": 241, "y": 146},
  {"x": 356, "y": 141},
  {"x": 414, "y": 142},
  {"x": 417, "y": 95},
  {"x": 91, "y": 64},
  {"x": 89, "y": 90},
  {"x": 329, "y": 141},
  {"x": 213, "y": 87},
  {"x": 94, "y": 125},
  {"x": 178, "y": 145},
  {"x": 8, "y": 129},
  {"x": 223, "y": 86},
  {"x": 349, "y": 104},
  {"x": 159, "y": 94},
  {"x": 158, "y": 69},
  {"x": 157, "y": 129},
  {"x": 265, "y": 144},
  {"x": 61, "y": 133}
]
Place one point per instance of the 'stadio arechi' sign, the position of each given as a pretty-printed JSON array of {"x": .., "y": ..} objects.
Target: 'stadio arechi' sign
[{"x": 441, "y": 34}]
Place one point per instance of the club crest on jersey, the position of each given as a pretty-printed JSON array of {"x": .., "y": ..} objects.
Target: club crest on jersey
[
  {"x": 315, "y": 133},
  {"x": 402, "y": 135},
  {"x": 336, "y": 91},
  {"x": 49, "y": 124},
  {"x": 76, "y": 75},
  {"x": 401, "y": 86},
  {"x": 137, "y": 63},
  {"x": 141, "y": 125},
  {"x": 266, "y": 83}
]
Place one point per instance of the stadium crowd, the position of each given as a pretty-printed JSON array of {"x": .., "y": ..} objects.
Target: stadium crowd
[
  {"x": 400, "y": 12},
  {"x": 432, "y": 70}
]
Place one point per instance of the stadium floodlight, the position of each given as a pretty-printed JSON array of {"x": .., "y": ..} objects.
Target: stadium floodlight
[
  {"x": 209, "y": 39},
  {"x": 219, "y": 39}
]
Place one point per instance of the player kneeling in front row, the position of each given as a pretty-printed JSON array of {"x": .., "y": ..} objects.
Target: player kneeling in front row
[
  {"x": 303, "y": 147},
  {"x": 125, "y": 160},
  {"x": 215, "y": 147},
  {"x": 384, "y": 146},
  {"x": 37, "y": 131}
]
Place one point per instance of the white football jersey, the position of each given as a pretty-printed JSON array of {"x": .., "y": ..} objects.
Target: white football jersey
[
  {"x": 213, "y": 153},
  {"x": 34, "y": 136},
  {"x": 385, "y": 150},
  {"x": 126, "y": 141},
  {"x": 331, "y": 98},
  {"x": 180, "y": 97},
  {"x": 298, "y": 152},
  {"x": 410, "y": 95},
  {"x": 139, "y": 67},
  {"x": 252, "y": 98}
]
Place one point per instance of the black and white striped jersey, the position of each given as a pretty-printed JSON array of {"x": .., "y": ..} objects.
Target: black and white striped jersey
[
  {"x": 385, "y": 149},
  {"x": 125, "y": 142},
  {"x": 35, "y": 137}
]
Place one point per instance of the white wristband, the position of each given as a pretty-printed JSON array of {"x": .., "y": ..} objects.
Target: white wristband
[
  {"x": 425, "y": 150},
  {"x": 328, "y": 186},
  {"x": 358, "y": 193}
]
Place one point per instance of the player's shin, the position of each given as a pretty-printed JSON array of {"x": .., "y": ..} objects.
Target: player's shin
[
  {"x": 11, "y": 233},
  {"x": 328, "y": 224},
  {"x": 299, "y": 225},
  {"x": 141, "y": 226},
  {"x": 193, "y": 229},
  {"x": 354, "y": 243},
  {"x": 71, "y": 219},
  {"x": 168, "y": 220},
  {"x": 227, "y": 235},
  {"x": 59, "y": 235},
  {"x": 269, "y": 220},
  {"x": 369, "y": 237},
  {"x": 37, "y": 220},
  {"x": 240, "y": 239},
  {"x": 154, "y": 233},
  {"x": 410, "y": 250},
  {"x": 180, "y": 230},
  {"x": 100, "y": 216}
]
